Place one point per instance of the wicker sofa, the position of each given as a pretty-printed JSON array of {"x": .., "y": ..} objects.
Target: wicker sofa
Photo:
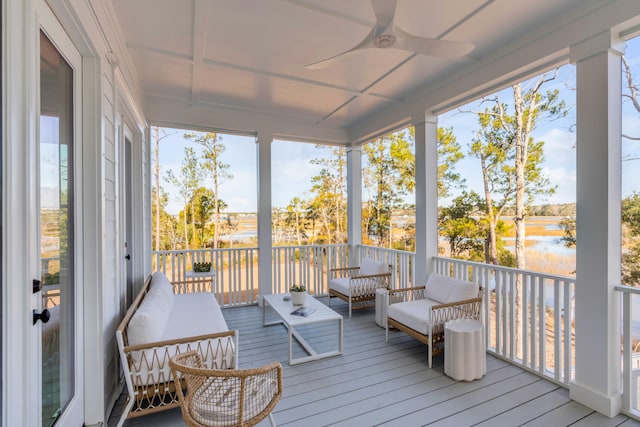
[
  {"x": 422, "y": 311},
  {"x": 159, "y": 325}
]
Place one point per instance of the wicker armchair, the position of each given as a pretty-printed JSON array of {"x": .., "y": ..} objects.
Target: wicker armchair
[
  {"x": 357, "y": 285},
  {"x": 229, "y": 397},
  {"x": 422, "y": 311}
]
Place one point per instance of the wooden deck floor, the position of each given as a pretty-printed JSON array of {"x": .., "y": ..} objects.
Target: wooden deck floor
[{"x": 378, "y": 383}]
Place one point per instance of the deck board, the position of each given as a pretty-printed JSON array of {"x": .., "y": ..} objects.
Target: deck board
[{"x": 376, "y": 382}]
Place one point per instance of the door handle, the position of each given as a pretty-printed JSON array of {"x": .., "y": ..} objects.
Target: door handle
[
  {"x": 127, "y": 257},
  {"x": 43, "y": 317}
]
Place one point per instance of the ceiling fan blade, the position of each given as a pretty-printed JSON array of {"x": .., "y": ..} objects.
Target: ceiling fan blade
[
  {"x": 448, "y": 49},
  {"x": 364, "y": 44},
  {"x": 385, "y": 11}
]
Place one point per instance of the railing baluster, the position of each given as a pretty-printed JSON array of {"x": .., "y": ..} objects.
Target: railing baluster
[{"x": 542, "y": 330}]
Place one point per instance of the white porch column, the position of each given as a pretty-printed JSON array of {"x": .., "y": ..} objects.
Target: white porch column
[
  {"x": 264, "y": 140},
  {"x": 426, "y": 131},
  {"x": 354, "y": 202},
  {"x": 597, "y": 334}
]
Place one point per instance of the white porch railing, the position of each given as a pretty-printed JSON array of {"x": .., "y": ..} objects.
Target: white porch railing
[
  {"x": 630, "y": 349},
  {"x": 236, "y": 271},
  {"x": 402, "y": 264},
  {"x": 305, "y": 265},
  {"x": 528, "y": 315}
]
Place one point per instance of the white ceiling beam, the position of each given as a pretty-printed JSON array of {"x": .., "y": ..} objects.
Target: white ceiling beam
[
  {"x": 201, "y": 9},
  {"x": 163, "y": 111}
]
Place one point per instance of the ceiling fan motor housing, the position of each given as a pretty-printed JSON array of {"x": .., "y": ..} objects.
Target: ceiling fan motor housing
[{"x": 384, "y": 41}]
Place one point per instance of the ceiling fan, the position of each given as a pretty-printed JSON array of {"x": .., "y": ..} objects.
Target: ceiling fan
[{"x": 387, "y": 35}]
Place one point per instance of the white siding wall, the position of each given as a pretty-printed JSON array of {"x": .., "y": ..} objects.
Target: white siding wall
[{"x": 111, "y": 286}]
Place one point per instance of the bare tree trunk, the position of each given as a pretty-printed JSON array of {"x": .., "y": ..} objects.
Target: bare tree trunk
[
  {"x": 186, "y": 231},
  {"x": 298, "y": 227},
  {"x": 216, "y": 204},
  {"x": 521, "y": 146},
  {"x": 492, "y": 254}
]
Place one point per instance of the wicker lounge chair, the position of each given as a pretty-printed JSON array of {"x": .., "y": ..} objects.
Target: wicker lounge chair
[
  {"x": 357, "y": 285},
  {"x": 422, "y": 311},
  {"x": 228, "y": 397}
]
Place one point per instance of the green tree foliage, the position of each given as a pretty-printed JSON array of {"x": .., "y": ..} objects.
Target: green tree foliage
[
  {"x": 568, "y": 225},
  {"x": 212, "y": 149},
  {"x": 511, "y": 159},
  {"x": 327, "y": 208},
  {"x": 630, "y": 238},
  {"x": 385, "y": 193},
  {"x": 449, "y": 153},
  {"x": 169, "y": 238},
  {"x": 295, "y": 218},
  {"x": 461, "y": 227},
  {"x": 188, "y": 181}
]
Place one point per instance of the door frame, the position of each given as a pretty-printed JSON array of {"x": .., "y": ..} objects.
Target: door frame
[{"x": 49, "y": 24}]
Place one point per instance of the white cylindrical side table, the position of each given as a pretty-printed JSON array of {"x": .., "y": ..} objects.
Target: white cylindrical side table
[
  {"x": 465, "y": 353},
  {"x": 381, "y": 307}
]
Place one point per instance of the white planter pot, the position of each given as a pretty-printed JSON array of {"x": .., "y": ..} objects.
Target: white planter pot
[{"x": 298, "y": 298}]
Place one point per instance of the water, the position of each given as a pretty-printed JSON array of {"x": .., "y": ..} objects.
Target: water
[{"x": 546, "y": 244}]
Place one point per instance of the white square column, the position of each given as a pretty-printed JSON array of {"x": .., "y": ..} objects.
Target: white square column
[
  {"x": 426, "y": 146},
  {"x": 354, "y": 202},
  {"x": 263, "y": 145},
  {"x": 597, "y": 314}
]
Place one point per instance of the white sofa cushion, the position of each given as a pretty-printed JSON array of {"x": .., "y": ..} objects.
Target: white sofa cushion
[
  {"x": 341, "y": 284},
  {"x": 369, "y": 267},
  {"x": 445, "y": 289},
  {"x": 160, "y": 282},
  {"x": 414, "y": 314},
  {"x": 150, "y": 319}
]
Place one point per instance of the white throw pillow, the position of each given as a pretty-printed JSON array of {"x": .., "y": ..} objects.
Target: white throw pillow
[
  {"x": 437, "y": 288},
  {"x": 150, "y": 319},
  {"x": 462, "y": 290},
  {"x": 446, "y": 289},
  {"x": 369, "y": 267},
  {"x": 160, "y": 282}
]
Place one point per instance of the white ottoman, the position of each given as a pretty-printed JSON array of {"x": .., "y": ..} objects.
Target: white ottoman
[{"x": 465, "y": 354}]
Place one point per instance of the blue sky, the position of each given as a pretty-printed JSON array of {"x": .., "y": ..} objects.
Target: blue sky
[{"x": 292, "y": 170}]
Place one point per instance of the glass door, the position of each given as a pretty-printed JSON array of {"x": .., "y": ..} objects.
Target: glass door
[{"x": 57, "y": 224}]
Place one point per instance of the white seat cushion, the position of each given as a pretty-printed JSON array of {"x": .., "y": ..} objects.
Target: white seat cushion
[
  {"x": 341, "y": 285},
  {"x": 193, "y": 315},
  {"x": 414, "y": 314},
  {"x": 369, "y": 267}
]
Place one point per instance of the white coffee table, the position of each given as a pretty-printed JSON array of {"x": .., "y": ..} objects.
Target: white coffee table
[{"x": 290, "y": 321}]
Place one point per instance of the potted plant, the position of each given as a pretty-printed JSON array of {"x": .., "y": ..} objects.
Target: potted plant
[
  {"x": 201, "y": 267},
  {"x": 298, "y": 294}
]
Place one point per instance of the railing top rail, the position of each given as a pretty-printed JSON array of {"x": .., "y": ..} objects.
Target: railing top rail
[
  {"x": 510, "y": 269},
  {"x": 378, "y": 248},
  {"x": 627, "y": 289},
  {"x": 311, "y": 246},
  {"x": 182, "y": 251}
]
